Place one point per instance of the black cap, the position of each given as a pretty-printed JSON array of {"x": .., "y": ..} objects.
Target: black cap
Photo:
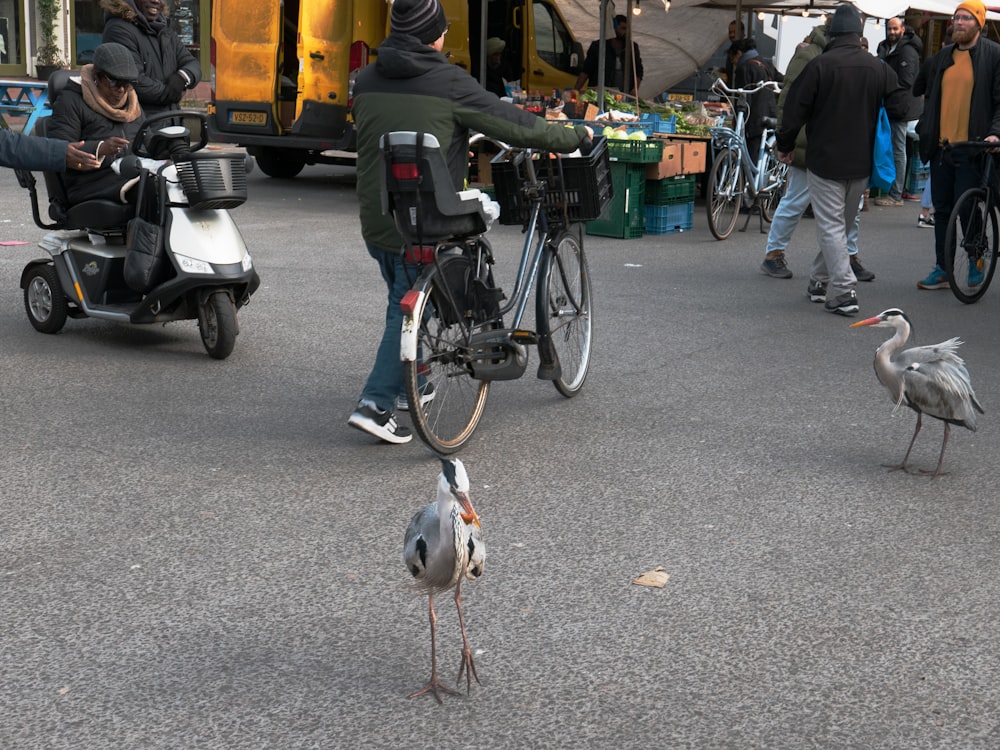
[
  {"x": 846, "y": 20},
  {"x": 115, "y": 61}
]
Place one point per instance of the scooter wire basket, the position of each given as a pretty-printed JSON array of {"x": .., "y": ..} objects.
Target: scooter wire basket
[
  {"x": 213, "y": 180},
  {"x": 583, "y": 182}
]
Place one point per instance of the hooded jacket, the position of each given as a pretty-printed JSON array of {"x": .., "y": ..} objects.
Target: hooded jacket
[
  {"x": 984, "y": 109},
  {"x": 905, "y": 60},
  {"x": 157, "y": 50},
  {"x": 836, "y": 98},
  {"x": 806, "y": 51},
  {"x": 411, "y": 86}
]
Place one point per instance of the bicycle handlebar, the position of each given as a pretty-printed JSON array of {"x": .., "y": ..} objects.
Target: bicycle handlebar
[{"x": 720, "y": 87}]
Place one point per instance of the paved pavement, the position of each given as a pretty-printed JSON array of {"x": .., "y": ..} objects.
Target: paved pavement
[{"x": 202, "y": 554}]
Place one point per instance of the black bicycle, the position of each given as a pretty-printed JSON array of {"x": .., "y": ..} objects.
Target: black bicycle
[
  {"x": 972, "y": 236},
  {"x": 459, "y": 332}
]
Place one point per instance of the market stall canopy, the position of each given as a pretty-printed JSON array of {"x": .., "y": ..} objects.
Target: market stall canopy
[{"x": 676, "y": 43}]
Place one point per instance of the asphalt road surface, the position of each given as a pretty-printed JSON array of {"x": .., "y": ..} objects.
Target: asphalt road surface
[{"x": 202, "y": 554}]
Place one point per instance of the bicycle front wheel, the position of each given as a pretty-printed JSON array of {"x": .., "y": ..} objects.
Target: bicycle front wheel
[
  {"x": 725, "y": 193},
  {"x": 775, "y": 176},
  {"x": 971, "y": 245},
  {"x": 563, "y": 309},
  {"x": 445, "y": 401}
]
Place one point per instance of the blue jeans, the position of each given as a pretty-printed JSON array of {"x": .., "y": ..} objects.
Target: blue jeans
[
  {"x": 385, "y": 381},
  {"x": 952, "y": 173},
  {"x": 789, "y": 212}
]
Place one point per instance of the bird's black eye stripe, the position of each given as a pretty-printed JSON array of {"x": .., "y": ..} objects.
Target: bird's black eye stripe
[
  {"x": 472, "y": 546},
  {"x": 415, "y": 570},
  {"x": 422, "y": 549}
]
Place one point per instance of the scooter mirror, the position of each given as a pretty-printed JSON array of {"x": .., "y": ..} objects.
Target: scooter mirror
[{"x": 249, "y": 163}]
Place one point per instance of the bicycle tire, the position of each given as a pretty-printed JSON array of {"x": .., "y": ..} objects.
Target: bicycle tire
[
  {"x": 725, "y": 193},
  {"x": 774, "y": 170},
  {"x": 973, "y": 227},
  {"x": 563, "y": 310},
  {"x": 442, "y": 369}
]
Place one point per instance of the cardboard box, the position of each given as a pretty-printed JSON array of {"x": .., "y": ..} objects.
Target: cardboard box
[
  {"x": 693, "y": 155},
  {"x": 670, "y": 163}
]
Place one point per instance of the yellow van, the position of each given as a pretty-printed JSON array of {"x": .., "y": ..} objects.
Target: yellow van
[{"x": 282, "y": 69}]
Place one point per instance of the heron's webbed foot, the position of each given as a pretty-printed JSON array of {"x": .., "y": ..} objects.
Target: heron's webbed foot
[
  {"x": 469, "y": 669},
  {"x": 433, "y": 687},
  {"x": 898, "y": 467}
]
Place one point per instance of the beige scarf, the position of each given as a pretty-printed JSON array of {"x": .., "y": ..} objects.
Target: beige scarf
[{"x": 92, "y": 96}]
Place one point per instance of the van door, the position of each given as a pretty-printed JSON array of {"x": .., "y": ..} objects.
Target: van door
[{"x": 245, "y": 40}]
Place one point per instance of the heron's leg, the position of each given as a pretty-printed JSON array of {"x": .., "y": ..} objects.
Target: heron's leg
[
  {"x": 434, "y": 685},
  {"x": 897, "y": 467},
  {"x": 468, "y": 666},
  {"x": 944, "y": 443}
]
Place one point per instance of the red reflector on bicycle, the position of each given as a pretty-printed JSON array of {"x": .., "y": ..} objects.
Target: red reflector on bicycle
[
  {"x": 405, "y": 171},
  {"x": 409, "y": 302},
  {"x": 419, "y": 254}
]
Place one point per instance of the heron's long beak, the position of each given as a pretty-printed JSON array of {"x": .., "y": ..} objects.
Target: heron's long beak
[
  {"x": 867, "y": 322},
  {"x": 470, "y": 515}
]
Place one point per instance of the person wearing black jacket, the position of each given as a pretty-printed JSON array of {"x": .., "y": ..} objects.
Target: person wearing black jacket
[
  {"x": 751, "y": 70},
  {"x": 836, "y": 98},
  {"x": 166, "y": 67},
  {"x": 901, "y": 51},
  {"x": 961, "y": 103}
]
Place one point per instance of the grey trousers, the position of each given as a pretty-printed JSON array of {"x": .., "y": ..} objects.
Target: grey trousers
[
  {"x": 835, "y": 206},
  {"x": 899, "y": 156}
]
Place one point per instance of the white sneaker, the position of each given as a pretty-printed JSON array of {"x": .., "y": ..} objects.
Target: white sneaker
[{"x": 381, "y": 424}]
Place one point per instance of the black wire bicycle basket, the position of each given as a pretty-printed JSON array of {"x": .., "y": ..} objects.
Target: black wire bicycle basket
[
  {"x": 213, "y": 180},
  {"x": 581, "y": 185}
]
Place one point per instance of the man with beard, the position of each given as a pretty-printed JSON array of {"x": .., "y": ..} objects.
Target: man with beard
[
  {"x": 166, "y": 67},
  {"x": 962, "y": 103}
]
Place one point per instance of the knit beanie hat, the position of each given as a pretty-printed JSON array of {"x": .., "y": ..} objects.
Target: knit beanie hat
[
  {"x": 423, "y": 19},
  {"x": 847, "y": 20},
  {"x": 976, "y": 8}
]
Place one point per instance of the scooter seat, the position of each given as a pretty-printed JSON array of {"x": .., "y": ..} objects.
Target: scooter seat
[{"x": 98, "y": 214}]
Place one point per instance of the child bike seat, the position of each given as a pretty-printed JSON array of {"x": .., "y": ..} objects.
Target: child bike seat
[{"x": 417, "y": 189}]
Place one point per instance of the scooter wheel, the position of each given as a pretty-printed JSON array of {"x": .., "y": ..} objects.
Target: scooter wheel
[
  {"x": 44, "y": 300},
  {"x": 218, "y": 326}
]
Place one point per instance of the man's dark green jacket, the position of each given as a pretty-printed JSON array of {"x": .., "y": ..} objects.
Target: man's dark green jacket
[{"x": 411, "y": 86}]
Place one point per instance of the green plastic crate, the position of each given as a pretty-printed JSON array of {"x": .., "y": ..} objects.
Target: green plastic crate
[
  {"x": 639, "y": 152},
  {"x": 624, "y": 216},
  {"x": 670, "y": 190}
]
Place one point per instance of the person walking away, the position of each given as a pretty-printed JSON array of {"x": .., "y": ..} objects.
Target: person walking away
[
  {"x": 615, "y": 74},
  {"x": 412, "y": 86},
  {"x": 166, "y": 67},
  {"x": 962, "y": 103},
  {"x": 836, "y": 98},
  {"x": 795, "y": 199},
  {"x": 901, "y": 51}
]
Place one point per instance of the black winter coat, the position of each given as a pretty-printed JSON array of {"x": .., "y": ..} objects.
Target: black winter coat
[
  {"x": 905, "y": 60},
  {"x": 836, "y": 98},
  {"x": 157, "y": 50},
  {"x": 72, "y": 120},
  {"x": 984, "y": 111}
]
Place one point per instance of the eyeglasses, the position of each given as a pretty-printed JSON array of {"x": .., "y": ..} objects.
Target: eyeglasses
[
  {"x": 114, "y": 82},
  {"x": 963, "y": 19}
]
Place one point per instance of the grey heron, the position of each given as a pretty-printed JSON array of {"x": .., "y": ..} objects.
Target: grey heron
[
  {"x": 442, "y": 547},
  {"x": 931, "y": 380}
]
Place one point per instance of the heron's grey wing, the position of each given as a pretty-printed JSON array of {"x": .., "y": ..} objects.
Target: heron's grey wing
[
  {"x": 421, "y": 534},
  {"x": 941, "y": 388},
  {"x": 946, "y": 351}
]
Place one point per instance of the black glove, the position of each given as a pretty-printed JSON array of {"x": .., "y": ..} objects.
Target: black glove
[{"x": 175, "y": 87}]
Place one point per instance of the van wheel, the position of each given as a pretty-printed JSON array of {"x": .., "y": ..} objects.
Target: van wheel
[
  {"x": 281, "y": 163},
  {"x": 217, "y": 324},
  {"x": 44, "y": 300}
]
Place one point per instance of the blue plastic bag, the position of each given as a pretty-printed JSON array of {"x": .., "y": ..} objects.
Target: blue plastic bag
[{"x": 883, "y": 160}]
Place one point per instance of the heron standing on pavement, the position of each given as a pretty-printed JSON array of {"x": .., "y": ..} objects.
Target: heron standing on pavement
[
  {"x": 442, "y": 547},
  {"x": 930, "y": 380}
]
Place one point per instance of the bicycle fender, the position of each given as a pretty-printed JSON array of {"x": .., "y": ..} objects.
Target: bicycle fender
[{"x": 408, "y": 334}]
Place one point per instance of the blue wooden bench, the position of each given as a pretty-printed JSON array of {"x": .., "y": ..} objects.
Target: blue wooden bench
[{"x": 23, "y": 99}]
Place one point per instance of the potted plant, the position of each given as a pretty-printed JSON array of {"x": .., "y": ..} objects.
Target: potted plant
[{"x": 49, "y": 56}]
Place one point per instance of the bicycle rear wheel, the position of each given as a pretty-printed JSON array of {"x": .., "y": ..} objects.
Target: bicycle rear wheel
[
  {"x": 725, "y": 193},
  {"x": 446, "y": 402},
  {"x": 971, "y": 245},
  {"x": 563, "y": 310}
]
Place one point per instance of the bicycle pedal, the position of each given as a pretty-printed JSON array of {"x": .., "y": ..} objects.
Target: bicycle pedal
[{"x": 524, "y": 337}]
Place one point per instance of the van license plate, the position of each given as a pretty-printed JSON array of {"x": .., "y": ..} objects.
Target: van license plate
[
  {"x": 248, "y": 118},
  {"x": 680, "y": 98}
]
